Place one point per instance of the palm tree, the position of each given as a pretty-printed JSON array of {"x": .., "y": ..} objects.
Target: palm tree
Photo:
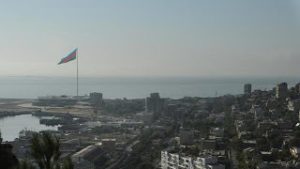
[
  {"x": 45, "y": 150},
  {"x": 25, "y": 165},
  {"x": 46, "y": 153}
]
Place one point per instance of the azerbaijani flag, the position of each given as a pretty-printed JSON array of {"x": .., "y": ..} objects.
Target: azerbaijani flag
[{"x": 71, "y": 56}]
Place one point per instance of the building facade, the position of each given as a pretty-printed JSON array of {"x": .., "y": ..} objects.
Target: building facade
[
  {"x": 282, "y": 91},
  {"x": 247, "y": 89},
  {"x": 154, "y": 104},
  {"x": 96, "y": 99},
  {"x": 175, "y": 161}
]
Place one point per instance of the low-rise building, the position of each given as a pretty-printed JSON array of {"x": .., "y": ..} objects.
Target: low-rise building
[
  {"x": 186, "y": 137},
  {"x": 175, "y": 161},
  {"x": 89, "y": 158},
  {"x": 294, "y": 105},
  {"x": 55, "y": 101},
  {"x": 295, "y": 151},
  {"x": 96, "y": 99}
]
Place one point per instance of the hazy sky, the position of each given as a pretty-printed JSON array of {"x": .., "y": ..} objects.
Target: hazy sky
[{"x": 151, "y": 37}]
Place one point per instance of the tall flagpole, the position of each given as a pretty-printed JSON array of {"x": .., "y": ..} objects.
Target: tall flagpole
[{"x": 77, "y": 58}]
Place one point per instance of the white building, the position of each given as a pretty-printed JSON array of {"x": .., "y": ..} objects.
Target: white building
[
  {"x": 294, "y": 105},
  {"x": 175, "y": 161},
  {"x": 257, "y": 111}
]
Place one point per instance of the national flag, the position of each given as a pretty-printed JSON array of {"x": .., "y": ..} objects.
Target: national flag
[{"x": 69, "y": 57}]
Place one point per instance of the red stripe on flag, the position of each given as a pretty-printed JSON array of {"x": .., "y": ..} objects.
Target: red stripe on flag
[{"x": 71, "y": 56}]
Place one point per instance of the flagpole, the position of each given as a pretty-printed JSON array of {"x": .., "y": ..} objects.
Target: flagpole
[{"x": 77, "y": 71}]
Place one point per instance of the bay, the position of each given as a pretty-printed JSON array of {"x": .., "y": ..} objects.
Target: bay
[{"x": 11, "y": 126}]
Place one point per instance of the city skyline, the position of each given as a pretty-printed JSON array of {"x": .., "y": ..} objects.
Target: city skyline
[{"x": 151, "y": 38}]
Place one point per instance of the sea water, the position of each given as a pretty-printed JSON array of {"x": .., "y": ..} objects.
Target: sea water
[
  {"x": 11, "y": 126},
  {"x": 133, "y": 87}
]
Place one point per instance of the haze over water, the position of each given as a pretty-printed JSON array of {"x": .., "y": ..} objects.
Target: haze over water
[{"x": 132, "y": 87}]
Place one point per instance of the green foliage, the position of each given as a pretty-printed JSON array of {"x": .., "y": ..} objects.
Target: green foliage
[
  {"x": 145, "y": 153},
  {"x": 67, "y": 164},
  {"x": 236, "y": 144},
  {"x": 297, "y": 133},
  {"x": 262, "y": 144},
  {"x": 229, "y": 128},
  {"x": 7, "y": 158},
  {"x": 275, "y": 138},
  {"x": 241, "y": 159},
  {"x": 45, "y": 150},
  {"x": 285, "y": 155},
  {"x": 295, "y": 142},
  {"x": 25, "y": 165}
]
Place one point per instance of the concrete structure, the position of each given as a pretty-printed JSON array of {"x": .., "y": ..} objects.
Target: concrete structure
[
  {"x": 145, "y": 117},
  {"x": 175, "y": 161},
  {"x": 96, "y": 99},
  {"x": 217, "y": 132},
  {"x": 70, "y": 146},
  {"x": 186, "y": 136},
  {"x": 208, "y": 162},
  {"x": 55, "y": 101},
  {"x": 88, "y": 158},
  {"x": 297, "y": 88},
  {"x": 258, "y": 112},
  {"x": 208, "y": 144},
  {"x": 295, "y": 151},
  {"x": 282, "y": 91},
  {"x": 294, "y": 105},
  {"x": 154, "y": 104},
  {"x": 108, "y": 144},
  {"x": 247, "y": 89}
]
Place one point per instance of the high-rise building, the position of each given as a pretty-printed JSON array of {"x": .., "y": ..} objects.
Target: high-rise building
[
  {"x": 247, "y": 89},
  {"x": 154, "y": 104},
  {"x": 297, "y": 88},
  {"x": 282, "y": 91},
  {"x": 96, "y": 99}
]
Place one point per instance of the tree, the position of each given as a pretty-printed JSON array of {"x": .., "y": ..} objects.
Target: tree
[
  {"x": 67, "y": 164},
  {"x": 45, "y": 150},
  {"x": 25, "y": 165},
  {"x": 7, "y": 158}
]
